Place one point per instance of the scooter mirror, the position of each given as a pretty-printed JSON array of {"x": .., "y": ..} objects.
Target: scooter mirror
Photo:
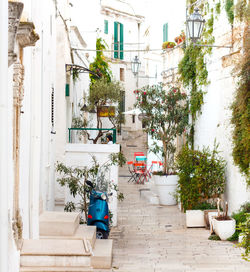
[{"x": 89, "y": 183}]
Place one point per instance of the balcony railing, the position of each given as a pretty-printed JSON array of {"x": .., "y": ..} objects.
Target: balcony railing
[{"x": 91, "y": 129}]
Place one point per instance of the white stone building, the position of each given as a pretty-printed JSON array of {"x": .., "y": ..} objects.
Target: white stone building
[
  {"x": 123, "y": 30},
  {"x": 35, "y": 113}
]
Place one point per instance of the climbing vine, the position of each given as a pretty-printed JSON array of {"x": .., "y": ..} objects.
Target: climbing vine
[
  {"x": 192, "y": 68},
  {"x": 229, "y": 7},
  {"x": 100, "y": 66},
  {"x": 241, "y": 111}
]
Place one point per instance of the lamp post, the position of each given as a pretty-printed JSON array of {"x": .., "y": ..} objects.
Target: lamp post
[
  {"x": 195, "y": 24},
  {"x": 135, "y": 65}
]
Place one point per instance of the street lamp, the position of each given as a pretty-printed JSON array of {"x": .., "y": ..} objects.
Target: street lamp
[
  {"x": 135, "y": 65},
  {"x": 195, "y": 24}
]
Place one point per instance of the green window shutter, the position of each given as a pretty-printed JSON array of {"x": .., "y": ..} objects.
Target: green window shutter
[
  {"x": 121, "y": 41},
  {"x": 165, "y": 32},
  {"x": 106, "y": 27},
  {"x": 67, "y": 90},
  {"x": 116, "y": 40}
]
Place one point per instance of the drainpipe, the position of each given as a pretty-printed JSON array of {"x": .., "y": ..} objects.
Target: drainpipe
[{"x": 5, "y": 128}]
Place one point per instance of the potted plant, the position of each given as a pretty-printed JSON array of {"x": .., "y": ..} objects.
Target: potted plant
[
  {"x": 167, "y": 118},
  {"x": 223, "y": 225},
  {"x": 201, "y": 181},
  {"x": 166, "y": 45},
  {"x": 181, "y": 38}
]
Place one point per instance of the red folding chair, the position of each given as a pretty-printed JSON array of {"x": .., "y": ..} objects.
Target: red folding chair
[
  {"x": 138, "y": 154},
  {"x": 141, "y": 172},
  {"x": 131, "y": 170},
  {"x": 151, "y": 168}
]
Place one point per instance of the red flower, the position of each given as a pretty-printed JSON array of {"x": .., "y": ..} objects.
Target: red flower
[
  {"x": 144, "y": 93},
  {"x": 153, "y": 130},
  {"x": 174, "y": 90},
  {"x": 137, "y": 97}
]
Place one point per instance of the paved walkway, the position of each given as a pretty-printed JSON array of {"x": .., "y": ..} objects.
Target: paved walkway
[{"x": 154, "y": 238}]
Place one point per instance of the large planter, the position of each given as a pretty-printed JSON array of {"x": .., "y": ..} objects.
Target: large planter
[
  {"x": 195, "y": 219},
  {"x": 224, "y": 228},
  {"x": 166, "y": 189}
]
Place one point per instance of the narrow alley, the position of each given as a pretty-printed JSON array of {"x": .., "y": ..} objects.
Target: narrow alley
[{"x": 154, "y": 238}]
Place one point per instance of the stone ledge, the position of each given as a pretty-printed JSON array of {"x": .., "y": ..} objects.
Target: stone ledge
[
  {"x": 53, "y": 247},
  {"x": 58, "y": 223}
]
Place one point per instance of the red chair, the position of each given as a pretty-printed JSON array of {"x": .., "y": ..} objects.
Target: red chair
[
  {"x": 138, "y": 154},
  {"x": 131, "y": 171},
  {"x": 140, "y": 171},
  {"x": 150, "y": 169}
]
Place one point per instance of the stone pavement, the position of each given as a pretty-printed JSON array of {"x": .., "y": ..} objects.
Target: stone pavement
[{"x": 153, "y": 238}]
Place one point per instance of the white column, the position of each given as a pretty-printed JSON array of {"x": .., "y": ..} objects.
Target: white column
[{"x": 5, "y": 127}]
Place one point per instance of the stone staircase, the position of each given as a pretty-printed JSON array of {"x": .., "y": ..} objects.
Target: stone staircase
[
  {"x": 64, "y": 245},
  {"x": 131, "y": 142}
]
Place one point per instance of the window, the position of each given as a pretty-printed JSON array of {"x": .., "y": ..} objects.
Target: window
[
  {"x": 122, "y": 78},
  {"x": 106, "y": 26},
  {"x": 165, "y": 32},
  {"x": 67, "y": 89},
  {"x": 118, "y": 40},
  {"x": 133, "y": 119}
]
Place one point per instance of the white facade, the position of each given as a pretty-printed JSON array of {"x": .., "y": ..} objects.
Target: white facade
[
  {"x": 90, "y": 19},
  {"x": 31, "y": 139}
]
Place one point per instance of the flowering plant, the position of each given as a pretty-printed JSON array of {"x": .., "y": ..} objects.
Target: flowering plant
[{"x": 167, "y": 118}]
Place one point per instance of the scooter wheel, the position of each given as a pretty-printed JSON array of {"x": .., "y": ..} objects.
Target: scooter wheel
[{"x": 101, "y": 234}]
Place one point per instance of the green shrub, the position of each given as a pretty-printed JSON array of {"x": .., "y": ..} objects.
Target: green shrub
[
  {"x": 240, "y": 217},
  {"x": 201, "y": 176},
  {"x": 245, "y": 231}
]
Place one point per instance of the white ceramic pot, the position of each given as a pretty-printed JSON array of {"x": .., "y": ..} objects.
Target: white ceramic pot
[
  {"x": 166, "y": 188},
  {"x": 224, "y": 228},
  {"x": 195, "y": 218}
]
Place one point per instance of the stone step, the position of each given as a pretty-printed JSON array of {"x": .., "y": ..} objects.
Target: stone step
[
  {"x": 102, "y": 257},
  {"x": 56, "y": 269},
  {"x": 51, "y": 253},
  {"x": 56, "y": 255},
  {"x": 58, "y": 223},
  {"x": 83, "y": 231}
]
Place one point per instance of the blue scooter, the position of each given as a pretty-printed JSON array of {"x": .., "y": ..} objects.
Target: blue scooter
[{"x": 98, "y": 213}]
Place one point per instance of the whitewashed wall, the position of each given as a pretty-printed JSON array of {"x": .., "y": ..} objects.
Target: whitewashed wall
[
  {"x": 79, "y": 155},
  {"x": 214, "y": 121}
]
